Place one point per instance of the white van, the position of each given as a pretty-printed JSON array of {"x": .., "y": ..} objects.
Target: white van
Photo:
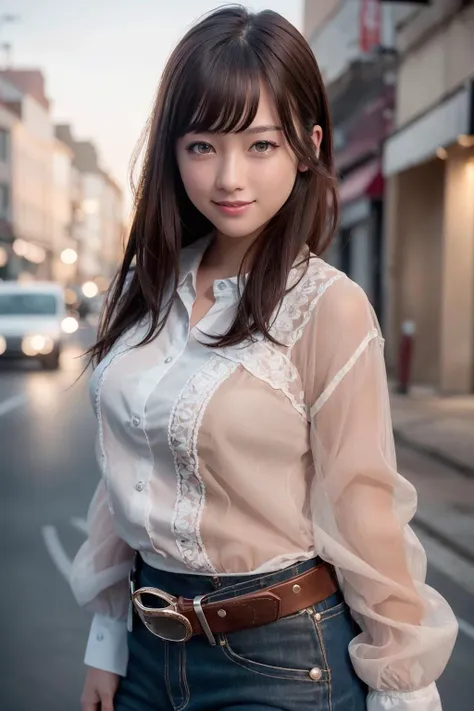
[{"x": 33, "y": 319}]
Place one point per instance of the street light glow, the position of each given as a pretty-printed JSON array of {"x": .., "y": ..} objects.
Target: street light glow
[
  {"x": 90, "y": 289},
  {"x": 69, "y": 256}
]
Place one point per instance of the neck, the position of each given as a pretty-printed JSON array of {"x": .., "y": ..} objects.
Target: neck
[{"x": 225, "y": 254}]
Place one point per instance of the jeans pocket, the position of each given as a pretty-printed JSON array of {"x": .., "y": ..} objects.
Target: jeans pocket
[{"x": 286, "y": 649}]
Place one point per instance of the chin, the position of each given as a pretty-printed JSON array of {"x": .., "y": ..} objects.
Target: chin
[{"x": 235, "y": 230}]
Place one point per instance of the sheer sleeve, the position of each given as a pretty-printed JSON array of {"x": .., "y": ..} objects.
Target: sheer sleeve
[
  {"x": 361, "y": 508},
  {"x": 99, "y": 578},
  {"x": 99, "y": 581}
]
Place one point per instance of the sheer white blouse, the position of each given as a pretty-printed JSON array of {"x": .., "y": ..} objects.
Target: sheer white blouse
[{"x": 247, "y": 459}]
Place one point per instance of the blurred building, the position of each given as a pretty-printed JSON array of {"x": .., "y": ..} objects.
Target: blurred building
[
  {"x": 399, "y": 79},
  {"x": 61, "y": 215},
  {"x": 7, "y": 123},
  {"x": 99, "y": 219},
  {"x": 357, "y": 65},
  {"x": 429, "y": 173},
  {"x": 30, "y": 145}
]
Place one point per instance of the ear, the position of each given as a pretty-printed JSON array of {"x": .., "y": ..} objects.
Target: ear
[{"x": 316, "y": 137}]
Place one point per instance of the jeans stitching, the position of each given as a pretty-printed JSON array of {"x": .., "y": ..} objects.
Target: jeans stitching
[
  {"x": 336, "y": 614},
  {"x": 183, "y": 680},
  {"x": 325, "y": 659},
  {"x": 256, "y": 582},
  {"x": 292, "y": 675},
  {"x": 167, "y": 675}
]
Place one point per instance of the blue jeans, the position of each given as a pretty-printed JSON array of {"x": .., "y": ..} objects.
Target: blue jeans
[{"x": 262, "y": 669}]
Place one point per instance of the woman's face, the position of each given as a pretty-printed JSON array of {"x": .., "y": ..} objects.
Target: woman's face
[{"x": 239, "y": 181}]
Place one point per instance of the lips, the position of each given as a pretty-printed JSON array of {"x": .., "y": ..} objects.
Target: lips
[{"x": 236, "y": 203}]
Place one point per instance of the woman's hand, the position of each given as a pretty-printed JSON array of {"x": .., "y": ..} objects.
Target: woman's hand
[{"x": 99, "y": 690}]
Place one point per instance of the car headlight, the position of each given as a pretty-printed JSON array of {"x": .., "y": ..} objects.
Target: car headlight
[
  {"x": 69, "y": 324},
  {"x": 37, "y": 345},
  {"x": 3, "y": 345}
]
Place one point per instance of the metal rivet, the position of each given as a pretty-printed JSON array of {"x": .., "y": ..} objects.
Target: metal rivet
[
  {"x": 222, "y": 613},
  {"x": 315, "y": 673},
  {"x": 296, "y": 588},
  {"x": 317, "y": 617}
]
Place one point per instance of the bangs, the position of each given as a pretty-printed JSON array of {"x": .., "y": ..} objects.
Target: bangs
[{"x": 222, "y": 96}]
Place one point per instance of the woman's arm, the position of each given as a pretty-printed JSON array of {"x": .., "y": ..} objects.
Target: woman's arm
[
  {"x": 99, "y": 581},
  {"x": 361, "y": 509}
]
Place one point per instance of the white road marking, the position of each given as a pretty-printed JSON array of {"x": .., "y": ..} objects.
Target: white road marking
[
  {"x": 56, "y": 551},
  {"x": 466, "y": 628},
  {"x": 80, "y": 524},
  {"x": 12, "y": 403}
]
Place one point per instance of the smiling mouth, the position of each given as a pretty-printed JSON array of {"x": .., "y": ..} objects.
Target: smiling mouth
[{"x": 229, "y": 203}]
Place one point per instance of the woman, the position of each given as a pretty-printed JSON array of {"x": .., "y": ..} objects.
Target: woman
[{"x": 249, "y": 478}]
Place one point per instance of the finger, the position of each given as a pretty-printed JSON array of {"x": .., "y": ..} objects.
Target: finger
[
  {"x": 88, "y": 704},
  {"x": 107, "y": 702}
]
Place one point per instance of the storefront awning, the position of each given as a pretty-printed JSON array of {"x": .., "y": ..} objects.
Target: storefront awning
[
  {"x": 366, "y": 181},
  {"x": 439, "y": 127}
]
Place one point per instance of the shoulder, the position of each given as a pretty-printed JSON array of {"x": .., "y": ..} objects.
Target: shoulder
[
  {"x": 342, "y": 300},
  {"x": 320, "y": 295},
  {"x": 336, "y": 307}
]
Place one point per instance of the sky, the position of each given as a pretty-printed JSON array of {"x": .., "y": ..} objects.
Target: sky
[{"x": 102, "y": 61}]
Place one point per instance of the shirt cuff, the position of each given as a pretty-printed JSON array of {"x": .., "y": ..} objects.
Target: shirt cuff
[
  {"x": 426, "y": 699},
  {"x": 107, "y": 647}
]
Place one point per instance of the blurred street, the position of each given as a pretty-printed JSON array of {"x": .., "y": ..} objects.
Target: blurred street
[{"x": 48, "y": 476}]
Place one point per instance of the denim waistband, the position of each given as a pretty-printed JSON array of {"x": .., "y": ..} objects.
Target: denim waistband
[{"x": 216, "y": 587}]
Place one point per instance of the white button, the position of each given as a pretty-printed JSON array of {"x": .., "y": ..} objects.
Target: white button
[
  {"x": 221, "y": 285},
  {"x": 140, "y": 486},
  {"x": 100, "y": 637},
  {"x": 168, "y": 360},
  {"x": 136, "y": 420},
  {"x": 315, "y": 673}
]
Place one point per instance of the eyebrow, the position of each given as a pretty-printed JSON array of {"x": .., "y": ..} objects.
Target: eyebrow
[{"x": 262, "y": 129}]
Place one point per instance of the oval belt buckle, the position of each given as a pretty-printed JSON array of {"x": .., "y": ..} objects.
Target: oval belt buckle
[{"x": 166, "y": 622}]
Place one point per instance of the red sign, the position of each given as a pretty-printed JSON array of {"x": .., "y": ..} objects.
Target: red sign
[{"x": 370, "y": 24}]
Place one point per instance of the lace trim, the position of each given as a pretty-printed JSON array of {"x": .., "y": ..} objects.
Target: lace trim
[
  {"x": 272, "y": 366},
  {"x": 184, "y": 425},
  {"x": 299, "y": 304},
  {"x": 328, "y": 391}
]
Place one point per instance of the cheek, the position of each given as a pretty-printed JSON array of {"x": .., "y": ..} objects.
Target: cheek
[
  {"x": 277, "y": 179},
  {"x": 196, "y": 177}
]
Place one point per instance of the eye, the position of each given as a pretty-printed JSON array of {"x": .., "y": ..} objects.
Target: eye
[
  {"x": 264, "y": 146},
  {"x": 199, "y": 148}
]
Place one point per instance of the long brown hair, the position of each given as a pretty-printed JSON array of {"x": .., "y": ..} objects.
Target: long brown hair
[{"x": 212, "y": 83}]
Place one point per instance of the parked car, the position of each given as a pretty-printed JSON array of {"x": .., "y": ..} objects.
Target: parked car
[{"x": 33, "y": 319}]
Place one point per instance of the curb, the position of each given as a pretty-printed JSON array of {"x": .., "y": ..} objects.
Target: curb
[{"x": 433, "y": 453}]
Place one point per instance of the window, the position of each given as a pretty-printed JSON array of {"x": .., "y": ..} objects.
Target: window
[
  {"x": 4, "y": 201},
  {"x": 4, "y": 144},
  {"x": 28, "y": 304}
]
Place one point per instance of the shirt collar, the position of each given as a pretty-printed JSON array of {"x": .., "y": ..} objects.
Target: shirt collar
[{"x": 192, "y": 255}]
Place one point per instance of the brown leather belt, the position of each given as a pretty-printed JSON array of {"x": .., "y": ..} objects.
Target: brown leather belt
[{"x": 184, "y": 617}]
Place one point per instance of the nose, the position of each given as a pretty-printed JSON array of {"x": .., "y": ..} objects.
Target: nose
[{"x": 230, "y": 173}]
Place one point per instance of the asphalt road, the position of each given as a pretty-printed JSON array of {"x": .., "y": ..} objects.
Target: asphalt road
[{"x": 48, "y": 474}]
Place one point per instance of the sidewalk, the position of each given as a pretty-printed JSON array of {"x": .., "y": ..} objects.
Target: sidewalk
[{"x": 441, "y": 429}]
